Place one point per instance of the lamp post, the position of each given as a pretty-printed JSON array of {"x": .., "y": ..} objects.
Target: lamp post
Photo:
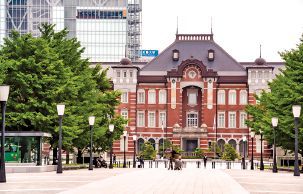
[
  {"x": 91, "y": 121},
  {"x": 252, "y": 135},
  {"x": 124, "y": 158},
  {"x": 261, "y": 163},
  {"x": 162, "y": 127},
  {"x": 274, "y": 122},
  {"x": 111, "y": 130},
  {"x": 134, "y": 157},
  {"x": 296, "y": 109},
  {"x": 60, "y": 110},
  {"x": 4, "y": 91},
  {"x": 243, "y": 160}
]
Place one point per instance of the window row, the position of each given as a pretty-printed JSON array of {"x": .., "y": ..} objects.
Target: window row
[
  {"x": 232, "y": 97},
  {"x": 151, "y": 97},
  {"x": 124, "y": 74},
  {"x": 232, "y": 120},
  {"x": 151, "y": 119}
]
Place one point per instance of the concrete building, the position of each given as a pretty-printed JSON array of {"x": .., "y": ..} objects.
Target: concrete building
[
  {"x": 108, "y": 29},
  {"x": 193, "y": 93}
]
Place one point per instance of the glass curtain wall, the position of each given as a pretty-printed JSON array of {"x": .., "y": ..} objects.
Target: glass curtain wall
[{"x": 108, "y": 29}]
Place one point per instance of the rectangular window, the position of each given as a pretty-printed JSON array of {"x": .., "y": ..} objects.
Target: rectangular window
[
  {"x": 130, "y": 74},
  {"x": 151, "y": 119},
  {"x": 118, "y": 74},
  {"x": 221, "y": 120},
  {"x": 232, "y": 97},
  {"x": 162, "y": 119},
  {"x": 124, "y": 114},
  {"x": 231, "y": 120},
  {"x": 192, "y": 120},
  {"x": 152, "y": 97},
  {"x": 192, "y": 98},
  {"x": 243, "y": 117},
  {"x": 162, "y": 97},
  {"x": 124, "y": 97},
  {"x": 141, "y": 119},
  {"x": 124, "y": 74},
  {"x": 221, "y": 97},
  {"x": 141, "y": 97},
  {"x": 243, "y": 97}
]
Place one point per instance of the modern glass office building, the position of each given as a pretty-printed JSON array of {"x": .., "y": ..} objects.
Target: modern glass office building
[{"x": 108, "y": 29}]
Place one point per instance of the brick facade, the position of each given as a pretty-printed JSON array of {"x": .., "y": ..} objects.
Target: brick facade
[{"x": 184, "y": 95}]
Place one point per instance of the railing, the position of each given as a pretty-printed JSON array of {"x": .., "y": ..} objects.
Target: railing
[{"x": 194, "y": 37}]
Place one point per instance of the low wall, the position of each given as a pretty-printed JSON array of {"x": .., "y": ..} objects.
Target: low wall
[{"x": 29, "y": 169}]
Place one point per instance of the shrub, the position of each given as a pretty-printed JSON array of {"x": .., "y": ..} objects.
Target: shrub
[
  {"x": 148, "y": 152},
  {"x": 229, "y": 153}
]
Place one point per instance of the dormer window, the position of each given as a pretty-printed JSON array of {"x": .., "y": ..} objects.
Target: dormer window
[
  {"x": 175, "y": 55},
  {"x": 211, "y": 55}
]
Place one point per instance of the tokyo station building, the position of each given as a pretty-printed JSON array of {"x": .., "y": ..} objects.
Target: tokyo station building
[{"x": 194, "y": 93}]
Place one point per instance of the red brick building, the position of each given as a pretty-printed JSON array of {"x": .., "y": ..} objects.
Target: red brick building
[{"x": 193, "y": 93}]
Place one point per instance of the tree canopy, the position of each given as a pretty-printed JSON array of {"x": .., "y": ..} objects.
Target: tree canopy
[
  {"x": 286, "y": 90},
  {"x": 47, "y": 70}
]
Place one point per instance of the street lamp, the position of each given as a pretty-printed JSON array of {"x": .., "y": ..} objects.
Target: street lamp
[
  {"x": 252, "y": 135},
  {"x": 60, "y": 110},
  {"x": 261, "y": 163},
  {"x": 243, "y": 160},
  {"x": 124, "y": 159},
  {"x": 4, "y": 91},
  {"x": 134, "y": 158},
  {"x": 111, "y": 130},
  {"x": 296, "y": 109},
  {"x": 91, "y": 121},
  {"x": 274, "y": 122},
  {"x": 162, "y": 127}
]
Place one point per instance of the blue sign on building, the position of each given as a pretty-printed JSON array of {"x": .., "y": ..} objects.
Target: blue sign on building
[{"x": 149, "y": 53}]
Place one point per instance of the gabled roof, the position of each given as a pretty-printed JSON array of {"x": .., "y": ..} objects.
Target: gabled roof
[{"x": 193, "y": 47}]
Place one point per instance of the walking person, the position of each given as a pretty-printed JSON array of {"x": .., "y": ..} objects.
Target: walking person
[
  {"x": 205, "y": 160},
  {"x": 114, "y": 158}
]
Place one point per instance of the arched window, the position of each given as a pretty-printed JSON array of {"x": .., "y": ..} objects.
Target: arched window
[
  {"x": 241, "y": 148},
  {"x": 162, "y": 97},
  {"x": 233, "y": 143},
  {"x": 151, "y": 96},
  {"x": 221, "y": 97},
  {"x": 232, "y": 97},
  {"x": 161, "y": 141},
  {"x": 152, "y": 142},
  {"x": 140, "y": 144},
  {"x": 221, "y": 144},
  {"x": 243, "y": 97}
]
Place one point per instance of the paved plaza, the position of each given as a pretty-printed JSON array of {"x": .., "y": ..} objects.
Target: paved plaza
[{"x": 133, "y": 181}]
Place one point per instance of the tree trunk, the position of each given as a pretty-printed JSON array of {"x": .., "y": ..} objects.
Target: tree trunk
[
  {"x": 79, "y": 156},
  {"x": 67, "y": 157},
  {"x": 55, "y": 156}
]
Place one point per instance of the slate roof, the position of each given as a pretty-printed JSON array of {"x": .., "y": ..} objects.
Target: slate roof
[{"x": 195, "y": 49}]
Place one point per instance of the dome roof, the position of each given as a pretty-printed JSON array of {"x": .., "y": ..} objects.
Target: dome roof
[
  {"x": 125, "y": 61},
  {"x": 260, "y": 61}
]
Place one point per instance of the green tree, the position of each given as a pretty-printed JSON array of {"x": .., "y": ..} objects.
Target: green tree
[
  {"x": 48, "y": 70},
  {"x": 199, "y": 152},
  {"x": 229, "y": 153},
  {"x": 148, "y": 152},
  {"x": 285, "y": 90},
  {"x": 215, "y": 148}
]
